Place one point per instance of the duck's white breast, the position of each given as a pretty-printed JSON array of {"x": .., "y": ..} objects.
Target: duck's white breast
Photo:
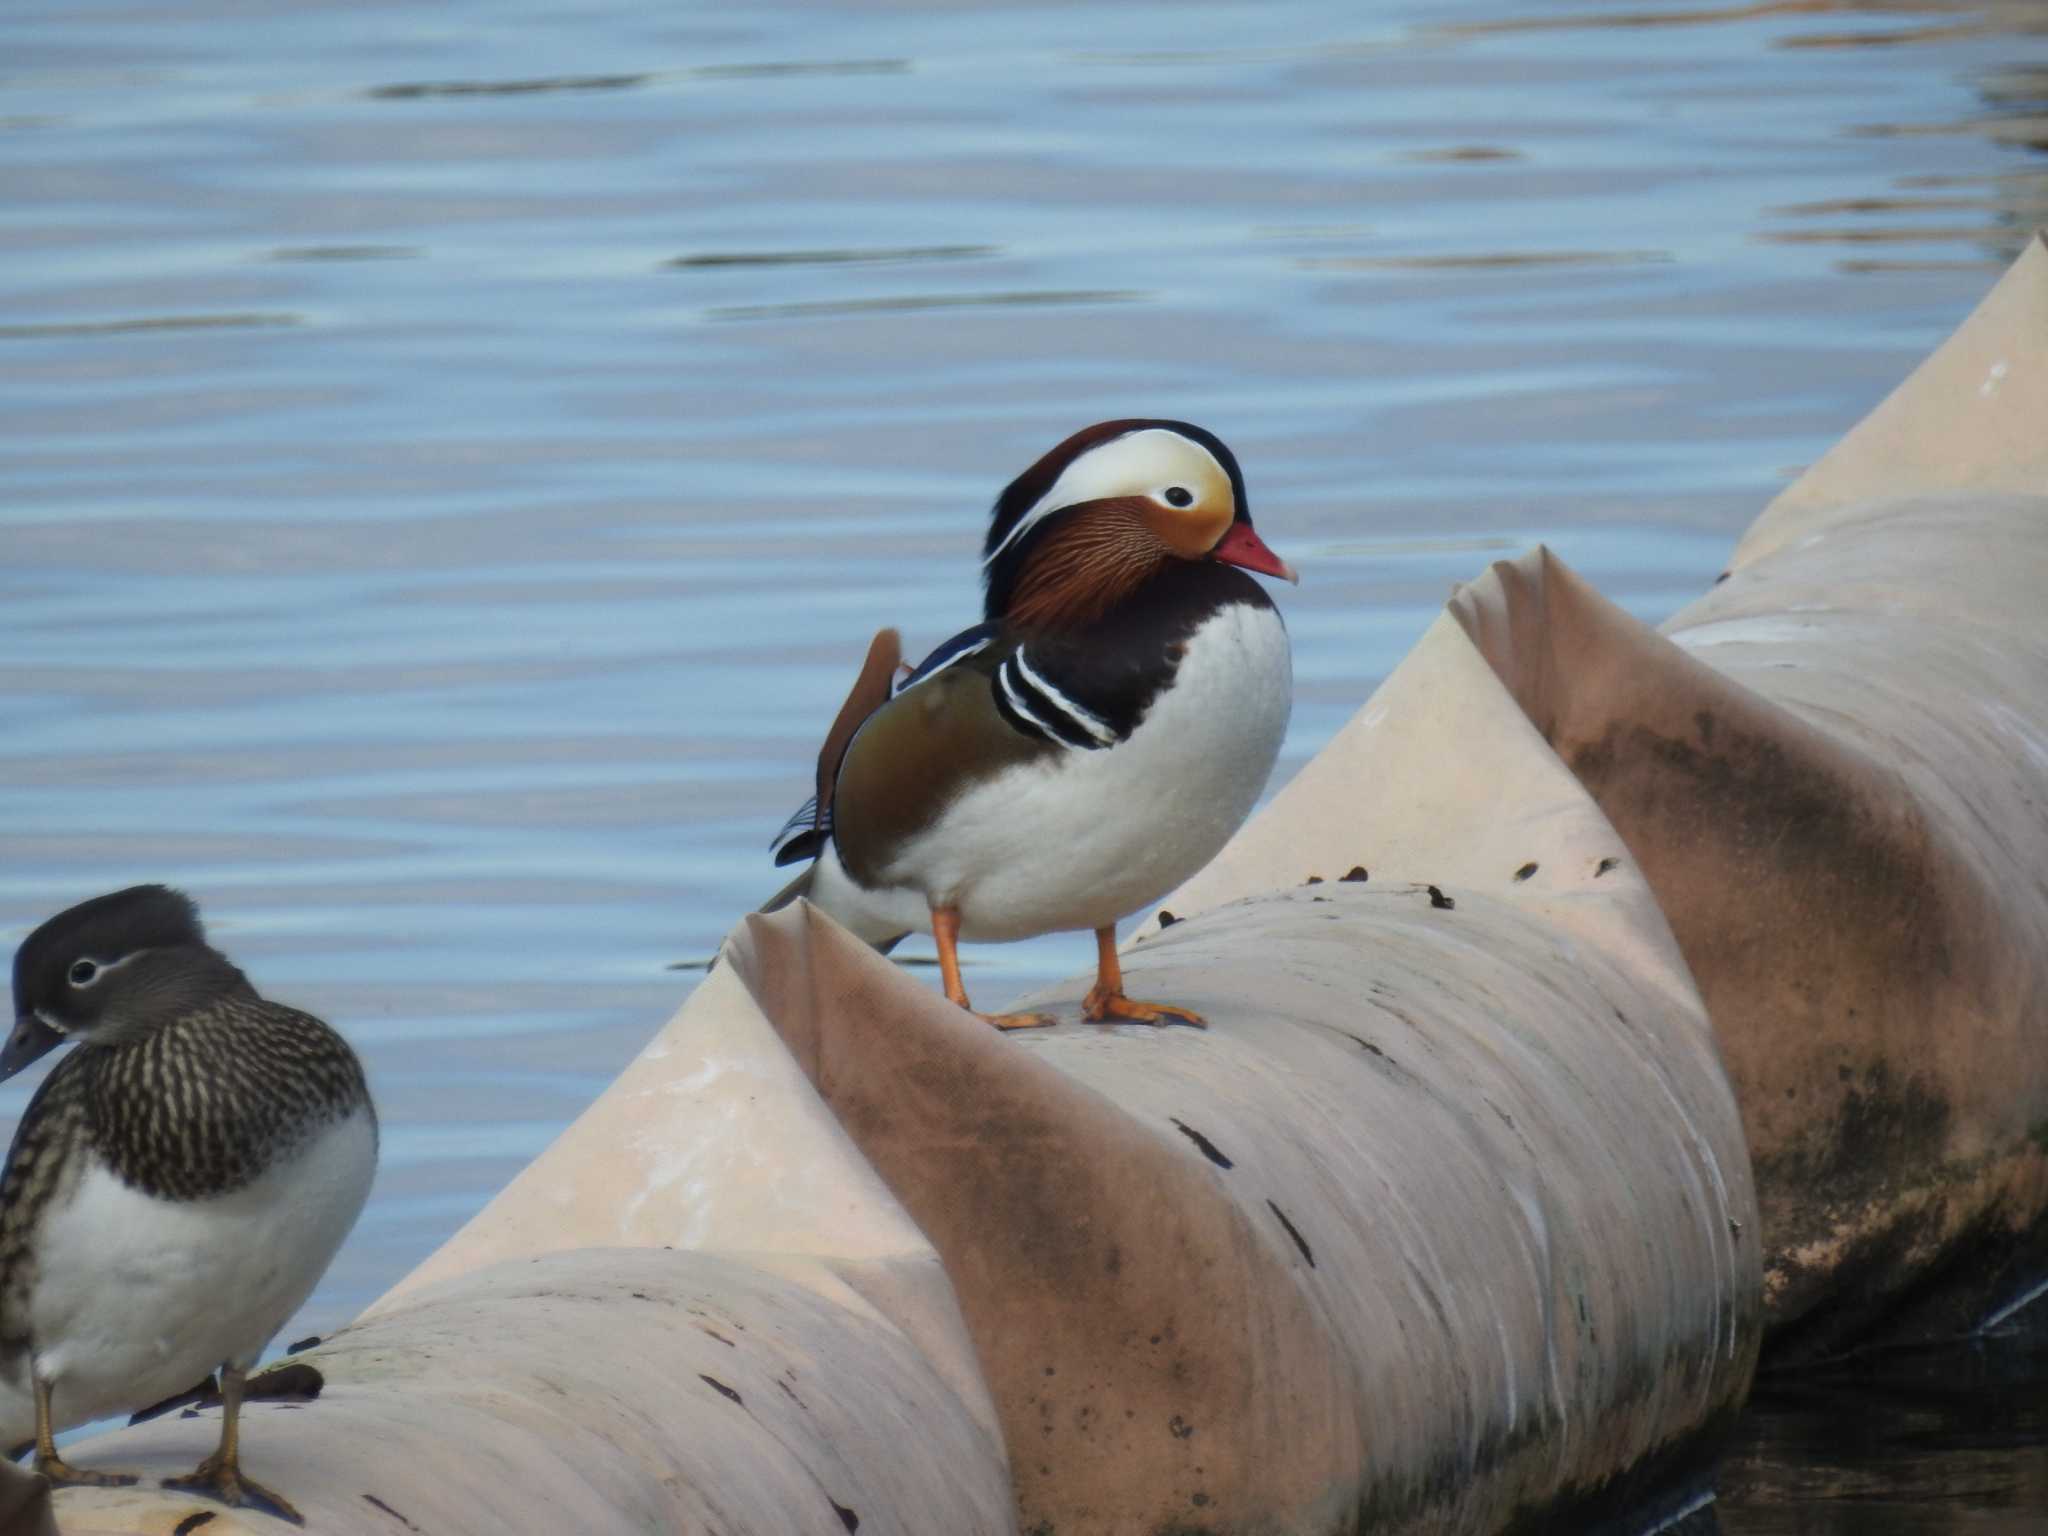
[
  {"x": 138, "y": 1297},
  {"x": 1079, "y": 840}
]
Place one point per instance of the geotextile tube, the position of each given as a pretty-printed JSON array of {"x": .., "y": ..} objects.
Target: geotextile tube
[
  {"x": 1834, "y": 771},
  {"x": 1447, "y": 1222}
]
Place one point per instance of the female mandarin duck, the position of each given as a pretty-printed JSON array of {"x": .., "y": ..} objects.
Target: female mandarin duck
[{"x": 1089, "y": 745}]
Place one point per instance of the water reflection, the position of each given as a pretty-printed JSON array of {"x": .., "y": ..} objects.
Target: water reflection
[
  {"x": 1928, "y": 1443},
  {"x": 910, "y": 303},
  {"x": 549, "y": 85},
  {"x": 453, "y": 460},
  {"x": 143, "y": 323},
  {"x": 833, "y": 258}
]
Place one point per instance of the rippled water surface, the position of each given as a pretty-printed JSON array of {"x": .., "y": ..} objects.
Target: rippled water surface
[{"x": 452, "y": 455}]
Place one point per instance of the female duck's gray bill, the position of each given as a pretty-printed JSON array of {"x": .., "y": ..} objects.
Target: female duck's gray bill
[{"x": 31, "y": 1041}]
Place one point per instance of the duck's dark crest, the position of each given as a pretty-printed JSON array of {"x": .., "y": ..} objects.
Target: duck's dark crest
[{"x": 140, "y": 917}]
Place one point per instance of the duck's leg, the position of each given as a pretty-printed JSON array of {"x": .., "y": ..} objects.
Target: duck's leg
[
  {"x": 1106, "y": 1003},
  {"x": 221, "y": 1475},
  {"x": 54, "y": 1467},
  {"x": 946, "y": 930}
]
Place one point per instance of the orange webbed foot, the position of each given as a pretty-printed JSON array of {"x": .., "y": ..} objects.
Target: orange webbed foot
[
  {"x": 1104, "y": 1007},
  {"x": 1016, "y": 1020}
]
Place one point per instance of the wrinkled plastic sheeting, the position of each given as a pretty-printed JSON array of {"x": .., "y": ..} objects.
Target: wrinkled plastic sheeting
[
  {"x": 577, "y": 1359},
  {"x": 1834, "y": 770},
  {"x": 1444, "y": 1219}
]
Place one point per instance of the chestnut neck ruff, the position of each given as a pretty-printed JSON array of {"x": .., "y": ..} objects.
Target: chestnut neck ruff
[{"x": 1075, "y": 569}]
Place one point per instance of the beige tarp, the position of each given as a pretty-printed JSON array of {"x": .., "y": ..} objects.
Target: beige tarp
[
  {"x": 1448, "y": 1217},
  {"x": 1835, "y": 773}
]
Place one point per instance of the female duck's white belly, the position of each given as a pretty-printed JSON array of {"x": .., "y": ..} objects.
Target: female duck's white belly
[
  {"x": 138, "y": 1297},
  {"x": 1079, "y": 840}
]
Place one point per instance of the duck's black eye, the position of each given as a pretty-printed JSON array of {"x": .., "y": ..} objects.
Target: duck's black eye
[
  {"x": 1179, "y": 496},
  {"x": 84, "y": 972}
]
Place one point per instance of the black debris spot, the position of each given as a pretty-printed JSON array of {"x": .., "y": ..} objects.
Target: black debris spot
[
  {"x": 1313, "y": 880},
  {"x": 1321, "y": 898},
  {"x": 1299, "y": 1241},
  {"x": 1605, "y": 865},
  {"x": 1439, "y": 900},
  {"x": 1179, "y": 1427},
  {"x": 728, "y": 1343},
  {"x": 189, "y": 1413},
  {"x": 1208, "y": 1148},
  {"x": 291, "y": 1378},
  {"x": 721, "y": 1388},
  {"x": 642, "y": 1296},
  {"x": 205, "y": 1392},
  {"x": 846, "y": 1516},
  {"x": 792, "y": 1393},
  {"x": 192, "y": 1522},
  {"x": 1166, "y": 918},
  {"x": 376, "y": 1503},
  {"x": 1526, "y": 870},
  {"x": 1357, "y": 874},
  {"x": 1370, "y": 1047},
  {"x": 1722, "y": 577},
  {"x": 310, "y": 1341}
]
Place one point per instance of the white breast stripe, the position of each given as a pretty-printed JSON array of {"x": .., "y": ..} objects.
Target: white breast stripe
[
  {"x": 1016, "y": 703},
  {"x": 1093, "y": 724},
  {"x": 1115, "y": 468}
]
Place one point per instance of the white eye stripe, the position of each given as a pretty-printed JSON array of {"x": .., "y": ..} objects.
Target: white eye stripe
[
  {"x": 1150, "y": 456},
  {"x": 100, "y": 968}
]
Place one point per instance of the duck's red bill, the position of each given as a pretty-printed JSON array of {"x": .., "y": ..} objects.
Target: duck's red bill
[{"x": 1241, "y": 546}]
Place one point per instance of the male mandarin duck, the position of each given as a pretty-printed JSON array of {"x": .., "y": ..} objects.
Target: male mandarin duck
[{"x": 1089, "y": 745}]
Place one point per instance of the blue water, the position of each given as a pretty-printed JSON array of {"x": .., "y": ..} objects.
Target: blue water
[{"x": 452, "y": 456}]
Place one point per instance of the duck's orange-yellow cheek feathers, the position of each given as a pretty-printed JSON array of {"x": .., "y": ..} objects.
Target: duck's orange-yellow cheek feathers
[{"x": 1189, "y": 532}]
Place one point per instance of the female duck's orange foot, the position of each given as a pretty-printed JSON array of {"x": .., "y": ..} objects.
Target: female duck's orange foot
[
  {"x": 1017, "y": 1020},
  {"x": 1104, "y": 1007}
]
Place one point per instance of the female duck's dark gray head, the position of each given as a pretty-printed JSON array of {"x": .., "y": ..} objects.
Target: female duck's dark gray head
[{"x": 92, "y": 972}]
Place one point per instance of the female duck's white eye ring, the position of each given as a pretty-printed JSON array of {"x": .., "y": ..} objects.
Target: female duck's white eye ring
[
  {"x": 1178, "y": 496},
  {"x": 83, "y": 973}
]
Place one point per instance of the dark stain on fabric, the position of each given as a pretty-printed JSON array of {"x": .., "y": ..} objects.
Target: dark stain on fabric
[
  {"x": 1299, "y": 1241},
  {"x": 1208, "y": 1148}
]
